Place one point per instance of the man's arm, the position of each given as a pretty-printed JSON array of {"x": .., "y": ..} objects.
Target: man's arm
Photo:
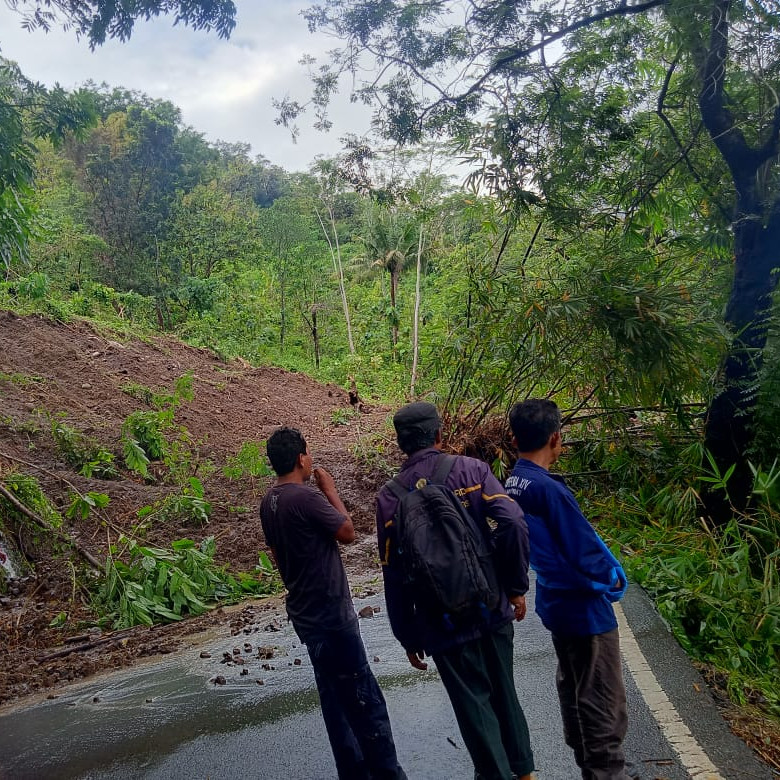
[
  {"x": 346, "y": 532},
  {"x": 511, "y": 540},
  {"x": 589, "y": 559}
]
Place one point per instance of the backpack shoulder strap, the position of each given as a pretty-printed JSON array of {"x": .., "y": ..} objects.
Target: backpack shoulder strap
[
  {"x": 443, "y": 469},
  {"x": 396, "y": 488}
]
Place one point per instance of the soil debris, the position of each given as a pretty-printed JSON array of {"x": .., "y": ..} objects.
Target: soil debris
[{"x": 75, "y": 374}]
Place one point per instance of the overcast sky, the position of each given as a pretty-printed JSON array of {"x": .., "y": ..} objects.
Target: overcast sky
[{"x": 223, "y": 87}]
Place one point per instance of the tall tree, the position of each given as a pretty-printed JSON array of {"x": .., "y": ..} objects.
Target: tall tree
[
  {"x": 211, "y": 231},
  {"x": 329, "y": 187},
  {"x": 444, "y": 66},
  {"x": 285, "y": 233},
  {"x": 130, "y": 166},
  {"x": 28, "y": 112},
  {"x": 391, "y": 239}
]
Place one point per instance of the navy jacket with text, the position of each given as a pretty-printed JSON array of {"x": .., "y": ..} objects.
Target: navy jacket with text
[{"x": 577, "y": 577}]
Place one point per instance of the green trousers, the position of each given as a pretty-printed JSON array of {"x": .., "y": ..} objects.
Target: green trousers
[{"x": 478, "y": 678}]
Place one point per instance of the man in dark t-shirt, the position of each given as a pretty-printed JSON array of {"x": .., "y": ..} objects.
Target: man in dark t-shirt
[{"x": 303, "y": 527}]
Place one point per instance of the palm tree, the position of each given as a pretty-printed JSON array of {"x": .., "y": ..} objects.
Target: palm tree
[{"x": 391, "y": 243}]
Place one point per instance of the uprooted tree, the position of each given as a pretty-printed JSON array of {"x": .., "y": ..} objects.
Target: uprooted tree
[{"x": 626, "y": 101}]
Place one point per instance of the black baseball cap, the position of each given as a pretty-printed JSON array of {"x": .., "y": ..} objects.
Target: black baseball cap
[{"x": 419, "y": 416}]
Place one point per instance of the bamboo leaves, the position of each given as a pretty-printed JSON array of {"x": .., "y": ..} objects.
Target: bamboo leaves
[{"x": 162, "y": 585}]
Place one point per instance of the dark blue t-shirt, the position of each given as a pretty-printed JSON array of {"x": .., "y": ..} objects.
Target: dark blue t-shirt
[
  {"x": 577, "y": 577},
  {"x": 300, "y": 525}
]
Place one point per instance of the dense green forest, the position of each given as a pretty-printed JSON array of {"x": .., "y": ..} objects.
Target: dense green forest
[{"x": 597, "y": 254}]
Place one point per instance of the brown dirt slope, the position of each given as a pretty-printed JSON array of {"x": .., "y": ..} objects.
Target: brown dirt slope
[{"x": 49, "y": 368}]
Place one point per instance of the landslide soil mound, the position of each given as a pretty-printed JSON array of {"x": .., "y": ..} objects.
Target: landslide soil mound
[{"x": 91, "y": 381}]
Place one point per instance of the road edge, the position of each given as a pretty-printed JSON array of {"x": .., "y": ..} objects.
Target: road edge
[{"x": 686, "y": 691}]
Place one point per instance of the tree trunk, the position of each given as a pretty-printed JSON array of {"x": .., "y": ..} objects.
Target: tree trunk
[
  {"x": 282, "y": 307},
  {"x": 315, "y": 334},
  {"x": 342, "y": 287},
  {"x": 416, "y": 333},
  {"x": 395, "y": 273},
  {"x": 729, "y": 428},
  {"x": 335, "y": 255}
]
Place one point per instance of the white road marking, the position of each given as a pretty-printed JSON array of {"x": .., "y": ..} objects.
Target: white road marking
[{"x": 692, "y": 756}]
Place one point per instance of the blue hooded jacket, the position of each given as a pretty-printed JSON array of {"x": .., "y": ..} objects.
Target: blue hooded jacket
[{"x": 577, "y": 577}]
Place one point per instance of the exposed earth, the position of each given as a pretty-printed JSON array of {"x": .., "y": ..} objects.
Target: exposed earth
[
  {"x": 50, "y": 632},
  {"x": 49, "y": 369}
]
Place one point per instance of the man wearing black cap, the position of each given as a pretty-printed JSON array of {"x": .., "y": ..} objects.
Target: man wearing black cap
[{"x": 474, "y": 659}]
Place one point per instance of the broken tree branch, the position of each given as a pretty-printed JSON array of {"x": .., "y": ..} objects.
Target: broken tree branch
[{"x": 40, "y": 522}]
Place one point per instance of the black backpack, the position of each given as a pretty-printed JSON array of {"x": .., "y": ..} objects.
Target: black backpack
[{"x": 446, "y": 560}]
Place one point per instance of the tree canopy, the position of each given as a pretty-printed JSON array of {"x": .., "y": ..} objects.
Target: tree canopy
[
  {"x": 615, "y": 112},
  {"x": 28, "y": 111},
  {"x": 99, "y": 20}
]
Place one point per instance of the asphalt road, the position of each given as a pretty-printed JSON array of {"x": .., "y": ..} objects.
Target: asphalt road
[{"x": 169, "y": 720}]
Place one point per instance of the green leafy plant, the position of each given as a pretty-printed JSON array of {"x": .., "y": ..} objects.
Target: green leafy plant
[
  {"x": 152, "y": 435},
  {"x": 264, "y": 563},
  {"x": 35, "y": 286},
  {"x": 190, "y": 505},
  {"x": 765, "y": 484},
  {"x": 713, "y": 476},
  {"x": 28, "y": 491},
  {"x": 81, "y": 505},
  {"x": 249, "y": 462},
  {"x": 81, "y": 452},
  {"x": 162, "y": 585},
  {"x": 187, "y": 506},
  {"x": 719, "y": 589},
  {"x": 139, "y": 392},
  {"x": 145, "y": 428},
  {"x": 343, "y": 415},
  {"x": 721, "y": 595},
  {"x": 135, "y": 457},
  {"x": 21, "y": 380},
  {"x": 59, "y": 620},
  {"x": 373, "y": 452}
]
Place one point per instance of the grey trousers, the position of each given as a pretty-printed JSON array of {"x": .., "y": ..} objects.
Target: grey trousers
[{"x": 593, "y": 703}]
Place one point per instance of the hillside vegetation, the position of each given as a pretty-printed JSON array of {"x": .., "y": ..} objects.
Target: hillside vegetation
[
  {"x": 166, "y": 302},
  {"x": 81, "y": 526}
]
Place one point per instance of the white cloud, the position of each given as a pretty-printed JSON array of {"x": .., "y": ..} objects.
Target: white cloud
[{"x": 224, "y": 88}]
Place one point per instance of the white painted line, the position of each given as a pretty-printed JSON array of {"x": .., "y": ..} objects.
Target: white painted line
[{"x": 692, "y": 756}]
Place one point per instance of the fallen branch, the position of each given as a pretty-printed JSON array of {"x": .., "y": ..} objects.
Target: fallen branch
[
  {"x": 77, "y": 648},
  {"x": 39, "y": 521},
  {"x": 595, "y": 413},
  {"x": 60, "y": 478}
]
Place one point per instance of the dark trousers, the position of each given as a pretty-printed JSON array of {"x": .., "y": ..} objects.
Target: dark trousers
[
  {"x": 593, "y": 703},
  {"x": 479, "y": 681},
  {"x": 353, "y": 707}
]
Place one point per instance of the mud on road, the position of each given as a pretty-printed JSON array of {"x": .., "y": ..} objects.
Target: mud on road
[{"x": 92, "y": 380}]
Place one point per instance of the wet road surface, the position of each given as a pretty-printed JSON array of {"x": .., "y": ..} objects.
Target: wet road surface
[{"x": 169, "y": 720}]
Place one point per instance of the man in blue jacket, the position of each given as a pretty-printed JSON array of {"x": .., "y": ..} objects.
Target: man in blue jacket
[
  {"x": 577, "y": 579},
  {"x": 474, "y": 659}
]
